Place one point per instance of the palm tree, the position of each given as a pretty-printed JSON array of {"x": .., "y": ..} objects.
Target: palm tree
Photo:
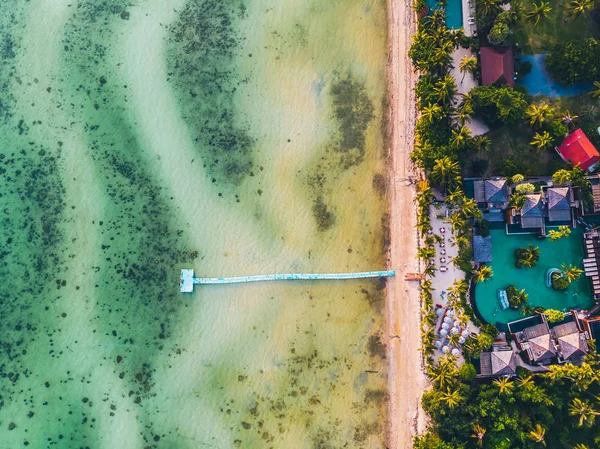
[
  {"x": 517, "y": 178},
  {"x": 478, "y": 433},
  {"x": 537, "y": 11},
  {"x": 586, "y": 413},
  {"x": 443, "y": 373},
  {"x": 445, "y": 88},
  {"x": 517, "y": 201},
  {"x": 589, "y": 113},
  {"x": 469, "y": 209},
  {"x": 451, "y": 398},
  {"x": 467, "y": 64},
  {"x": 482, "y": 143},
  {"x": 445, "y": 170},
  {"x": 568, "y": 119},
  {"x": 577, "y": 7},
  {"x": 486, "y": 7},
  {"x": 580, "y": 446},
  {"x": 431, "y": 112},
  {"x": 483, "y": 274},
  {"x": 419, "y": 6},
  {"x": 539, "y": 114},
  {"x": 426, "y": 253},
  {"x": 527, "y": 310},
  {"x": 455, "y": 196},
  {"x": 460, "y": 137},
  {"x": 457, "y": 222},
  {"x": 571, "y": 273},
  {"x": 595, "y": 92},
  {"x": 526, "y": 383},
  {"x": 537, "y": 434},
  {"x": 541, "y": 141},
  {"x": 505, "y": 385}
]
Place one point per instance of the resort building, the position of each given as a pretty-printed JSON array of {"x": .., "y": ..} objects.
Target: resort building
[
  {"x": 536, "y": 343},
  {"x": 591, "y": 262},
  {"x": 497, "y": 66},
  {"x": 577, "y": 150},
  {"x": 532, "y": 213},
  {"x": 492, "y": 194},
  {"x": 560, "y": 202},
  {"x": 498, "y": 363},
  {"x": 571, "y": 341}
]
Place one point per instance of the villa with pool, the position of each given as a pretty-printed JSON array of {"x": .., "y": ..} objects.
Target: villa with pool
[{"x": 544, "y": 212}]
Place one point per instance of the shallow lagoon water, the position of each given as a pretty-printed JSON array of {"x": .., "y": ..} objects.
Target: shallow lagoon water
[{"x": 233, "y": 137}]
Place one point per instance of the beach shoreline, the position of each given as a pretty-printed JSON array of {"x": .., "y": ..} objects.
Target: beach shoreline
[{"x": 407, "y": 379}]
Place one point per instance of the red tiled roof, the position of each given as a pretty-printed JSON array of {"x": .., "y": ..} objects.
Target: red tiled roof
[
  {"x": 578, "y": 150},
  {"x": 497, "y": 66}
]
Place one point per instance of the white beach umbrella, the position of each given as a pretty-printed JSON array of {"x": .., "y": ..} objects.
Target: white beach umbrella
[
  {"x": 461, "y": 340},
  {"x": 445, "y": 349},
  {"x": 438, "y": 344},
  {"x": 451, "y": 313},
  {"x": 457, "y": 323},
  {"x": 443, "y": 332},
  {"x": 465, "y": 333},
  {"x": 447, "y": 319},
  {"x": 455, "y": 351},
  {"x": 439, "y": 311},
  {"x": 455, "y": 330},
  {"x": 445, "y": 326}
]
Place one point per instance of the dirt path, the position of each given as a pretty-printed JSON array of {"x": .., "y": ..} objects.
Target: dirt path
[{"x": 407, "y": 380}]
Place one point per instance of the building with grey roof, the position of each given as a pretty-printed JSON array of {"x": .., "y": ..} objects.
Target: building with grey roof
[
  {"x": 559, "y": 200},
  {"x": 572, "y": 343},
  {"x": 498, "y": 363},
  {"x": 537, "y": 344},
  {"x": 532, "y": 213},
  {"x": 492, "y": 193}
]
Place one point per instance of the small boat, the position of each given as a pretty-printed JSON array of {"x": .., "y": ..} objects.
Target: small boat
[{"x": 503, "y": 299}]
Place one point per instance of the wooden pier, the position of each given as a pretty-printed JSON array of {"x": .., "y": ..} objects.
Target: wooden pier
[{"x": 187, "y": 280}]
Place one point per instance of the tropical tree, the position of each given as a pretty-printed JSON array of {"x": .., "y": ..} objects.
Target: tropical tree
[
  {"x": 445, "y": 88},
  {"x": 563, "y": 231},
  {"x": 589, "y": 113},
  {"x": 571, "y": 272},
  {"x": 445, "y": 171},
  {"x": 483, "y": 274},
  {"x": 444, "y": 373},
  {"x": 539, "y": 114},
  {"x": 537, "y": 12},
  {"x": 595, "y": 92},
  {"x": 469, "y": 209},
  {"x": 505, "y": 385},
  {"x": 541, "y": 141},
  {"x": 568, "y": 119},
  {"x": 525, "y": 188},
  {"x": 537, "y": 434},
  {"x": 431, "y": 112},
  {"x": 517, "y": 178},
  {"x": 426, "y": 253},
  {"x": 561, "y": 177},
  {"x": 420, "y": 6},
  {"x": 467, "y": 64},
  {"x": 455, "y": 196},
  {"x": 526, "y": 383},
  {"x": 554, "y": 316},
  {"x": 488, "y": 7},
  {"x": 576, "y": 8},
  {"x": 584, "y": 411},
  {"x": 459, "y": 138},
  {"x": 580, "y": 446},
  {"x": 478, "y": 434},
  {"x": 517, "y": 200},
  {"x": 457, "y": 222},
  {"x": 481, "y": 143},
  {"x": 451, "y": 398}
]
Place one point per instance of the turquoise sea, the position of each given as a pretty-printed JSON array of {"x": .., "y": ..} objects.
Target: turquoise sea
[{"x": 235, "y": 137}]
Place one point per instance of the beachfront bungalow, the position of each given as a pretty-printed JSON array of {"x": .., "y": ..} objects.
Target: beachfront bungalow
[
  {"x": 571, "y": 341},
  {"x": 497, "y": 66},
  {"x": 491, "y": 194},
  {"x": 537, "y": 344},
  {"x": 532, "y": 213},
  {"x": 577, "y": 150},
  {"x": 560, "y": 202},
  {"x": 498, "y": 363}
]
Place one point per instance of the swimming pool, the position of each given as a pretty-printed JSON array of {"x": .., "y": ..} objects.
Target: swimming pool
[
  {"x": 552, "y": 254},
  {"x": 454, "y": 18},
  {"x": 539, "y": 80}
]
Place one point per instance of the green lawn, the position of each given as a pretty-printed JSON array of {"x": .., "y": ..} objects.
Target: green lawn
[
  {"x": 554, "y": 29},
  {"x": 552, "y": 254}
]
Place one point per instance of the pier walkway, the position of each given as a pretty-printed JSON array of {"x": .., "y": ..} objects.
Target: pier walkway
[{"x": 188, "y": 280}]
